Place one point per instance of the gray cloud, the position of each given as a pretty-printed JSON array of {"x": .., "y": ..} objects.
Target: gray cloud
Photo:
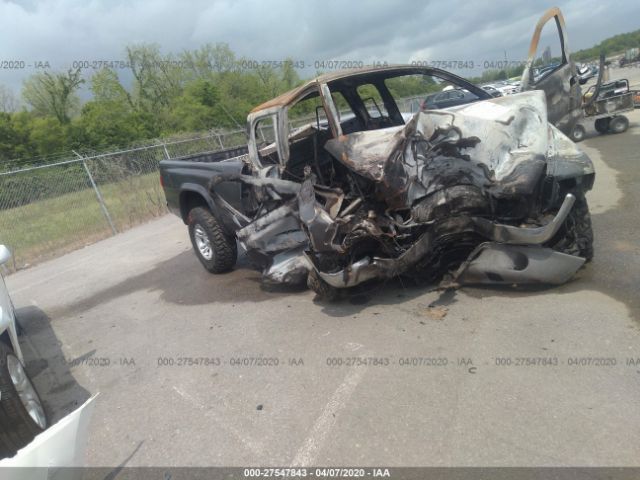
[{"x": 61, "y": 31}]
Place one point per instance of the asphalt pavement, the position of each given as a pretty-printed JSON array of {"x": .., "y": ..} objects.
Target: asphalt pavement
[{"x": 196, "y": 369}]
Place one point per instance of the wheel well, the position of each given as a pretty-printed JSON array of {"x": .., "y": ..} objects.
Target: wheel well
[{"x": 190, "y": 200}]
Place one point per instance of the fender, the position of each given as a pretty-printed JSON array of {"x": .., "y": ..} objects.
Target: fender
[{"x": 229, "y": 218}]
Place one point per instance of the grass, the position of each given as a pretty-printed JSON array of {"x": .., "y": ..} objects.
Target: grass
[{"x": 49, "y": 227}]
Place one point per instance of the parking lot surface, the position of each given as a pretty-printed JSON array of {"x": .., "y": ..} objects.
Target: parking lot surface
[{"x": 196, "y": 369}]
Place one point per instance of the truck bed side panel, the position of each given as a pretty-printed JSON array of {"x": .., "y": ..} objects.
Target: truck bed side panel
[{"x": 180, "y": 176}]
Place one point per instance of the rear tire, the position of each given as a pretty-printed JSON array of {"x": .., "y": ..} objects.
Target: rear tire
[
  {"x": 17, "y": 426},
  {"x": 619, "y": 124},
  {"x": 215, "y": 249}
]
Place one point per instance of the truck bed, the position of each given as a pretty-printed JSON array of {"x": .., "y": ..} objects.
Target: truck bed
[
  {"x": 190, "y": 175},
  {"x": 217, "y": 156}
]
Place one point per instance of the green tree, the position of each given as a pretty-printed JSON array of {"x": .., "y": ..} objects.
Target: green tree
[
  {"x": 8, "y": 137},
  {"x": 159, "y": 79},
  {"x": 198, "y": 108},
  {"x": 15, "y": 132},
  {"x": 210, "y": 59},
  {"x": 53, "y": 94},
  {"x": 612, "y": 45},
  {"x": 48, "y": 135},
  {"x": 106, "y": 86}
]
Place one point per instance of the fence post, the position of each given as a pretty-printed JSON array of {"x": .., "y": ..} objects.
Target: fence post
[
  {"x": 166, "y": 152},
  {"x": 103, "y": 206}
]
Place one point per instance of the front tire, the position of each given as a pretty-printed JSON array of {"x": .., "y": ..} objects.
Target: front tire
[
  {"x": 215, "y": 249},
  {"x": 324, "y": 291},
  {"x": 22, "y": 415},
  {"x": 576, "y": 236}
]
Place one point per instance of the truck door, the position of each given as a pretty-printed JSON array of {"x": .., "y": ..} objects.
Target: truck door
[{"x": 549, "y": 68}]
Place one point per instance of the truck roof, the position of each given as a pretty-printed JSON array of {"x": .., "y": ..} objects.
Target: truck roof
[{"x": 295, "y": 94}]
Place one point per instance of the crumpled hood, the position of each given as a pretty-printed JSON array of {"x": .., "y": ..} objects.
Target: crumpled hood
[{"x": 507, "y": 128}]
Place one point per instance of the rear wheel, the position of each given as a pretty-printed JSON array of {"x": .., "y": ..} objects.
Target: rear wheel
[
  {"x": 602, "y": 125},
  {"x": 22, "y": 415},
  {"x": 619, "y": 124},
  {"x": 215, "y": 249}
]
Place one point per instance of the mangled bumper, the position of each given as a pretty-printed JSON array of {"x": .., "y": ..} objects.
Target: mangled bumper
[
  {"x": 497, "y": 263},
  {"x": 514, "y": 255},
  {"x": 518, "y": 235}
]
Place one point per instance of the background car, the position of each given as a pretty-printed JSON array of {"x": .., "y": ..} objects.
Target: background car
[
  {"x": 586, "y": 72},
  {"x": 492, "y": 90},
  {"x": 507, "y": 88},
  {"x": 448, "y": 98},
  {"x": 22, "y": 415},
  {"x": 541, "y": 72}
]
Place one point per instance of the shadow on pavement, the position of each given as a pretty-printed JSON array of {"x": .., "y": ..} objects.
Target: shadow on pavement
[
  {"x": 181, "y": 280},
  {"x": 47, "y": 366}
]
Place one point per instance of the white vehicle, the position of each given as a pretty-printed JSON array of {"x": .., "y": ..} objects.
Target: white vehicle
[
  {"x": 57, "y": 453},
  {"x": 506, "y": 88},
  {"x": 22, "y": 416},
  {"x": 492, "y": 90}
]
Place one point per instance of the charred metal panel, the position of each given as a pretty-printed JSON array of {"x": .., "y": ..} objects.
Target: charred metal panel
[
  {"x": 561, "y": 87},
  {"x": 498, "y": 144}
]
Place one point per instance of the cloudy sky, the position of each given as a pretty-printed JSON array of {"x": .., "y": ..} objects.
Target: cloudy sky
[{"x": 61, "y": 31}]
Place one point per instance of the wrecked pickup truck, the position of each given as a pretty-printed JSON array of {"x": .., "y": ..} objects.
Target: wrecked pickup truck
[{"x": 337, "y": 186}]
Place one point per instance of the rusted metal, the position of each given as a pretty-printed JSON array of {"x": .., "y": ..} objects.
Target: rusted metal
[
  {"x": 420, "y": 196},
  {"x": 562, "y": 89},
  {"x": 294, "y": 95},
  {"x": 553, "y": 12}
]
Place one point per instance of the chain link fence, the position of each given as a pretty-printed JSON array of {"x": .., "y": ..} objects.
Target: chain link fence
[{"x": 51, "y": 209}]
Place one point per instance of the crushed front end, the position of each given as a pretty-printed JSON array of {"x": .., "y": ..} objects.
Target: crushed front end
[{"x": 485, "y": 192}]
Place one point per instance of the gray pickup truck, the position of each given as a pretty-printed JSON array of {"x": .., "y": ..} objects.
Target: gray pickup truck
[{"x": 338, "y": 186}]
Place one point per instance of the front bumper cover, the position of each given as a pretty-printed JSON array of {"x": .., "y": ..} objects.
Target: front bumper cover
[{"x": 512, "y": 255}]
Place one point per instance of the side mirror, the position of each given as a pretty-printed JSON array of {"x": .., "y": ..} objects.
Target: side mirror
[{"x": 5, "y": 254}]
